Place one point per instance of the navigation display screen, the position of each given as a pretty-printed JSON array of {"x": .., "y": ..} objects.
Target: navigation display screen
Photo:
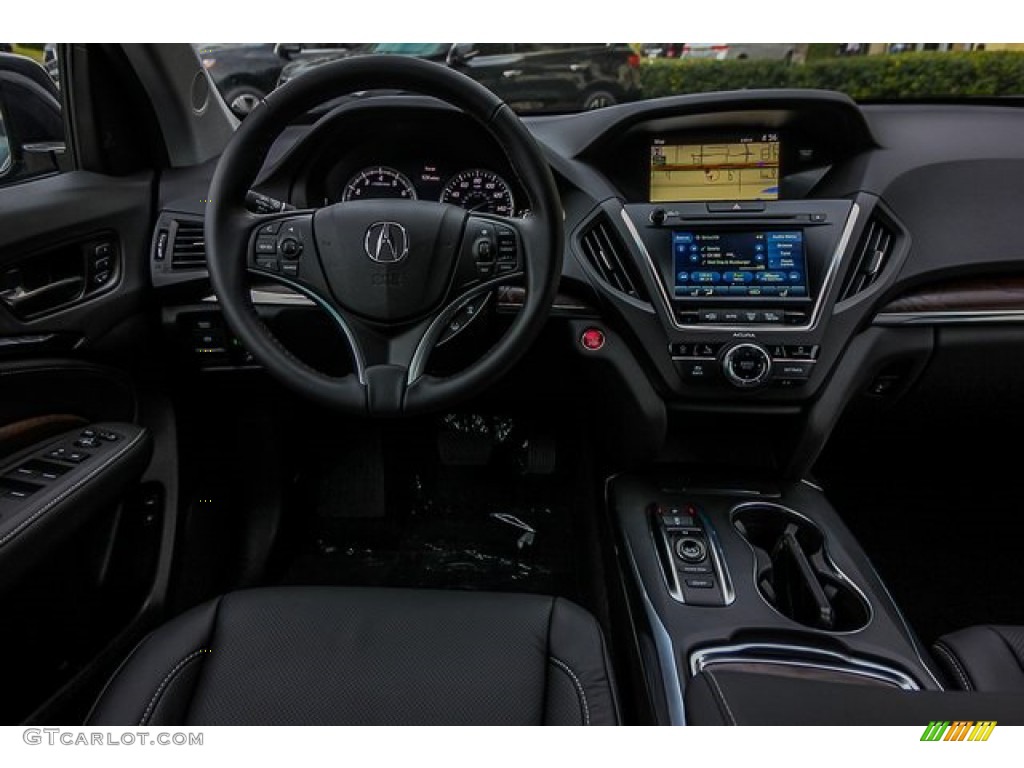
[
  {"x": 766, "y": 263},
  {"x": 744, "y": 169}
]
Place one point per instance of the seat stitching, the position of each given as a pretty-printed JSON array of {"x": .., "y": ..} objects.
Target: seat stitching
[
  {"x": 167, "y": 681},
  {"x": 110, "y": 681},
  {"x": 64, "y": 494},
  {"x": 580, "y": 693},
  {"x": 954, "y": 662},
  {"x": 717, "y": 690}
]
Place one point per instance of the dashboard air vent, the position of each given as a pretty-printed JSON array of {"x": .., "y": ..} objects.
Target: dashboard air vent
[
  {"x": 606, "y": 253},
  {"x": 188, "y": 246},
  {"x": 872, "y": 253}
]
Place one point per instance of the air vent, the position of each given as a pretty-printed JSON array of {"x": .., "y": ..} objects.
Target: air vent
[
  {"x": 188, "y": 246},
  {"x": 606, "y": 253},
  {"x": 870, "y": 257}
]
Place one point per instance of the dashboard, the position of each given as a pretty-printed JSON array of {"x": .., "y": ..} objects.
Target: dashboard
[{"x": 742, "y": 250}]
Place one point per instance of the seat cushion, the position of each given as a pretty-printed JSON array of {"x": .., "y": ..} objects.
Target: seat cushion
[
  {"x": 329, "y": 656},
  {"x": 984, "y": 658}
]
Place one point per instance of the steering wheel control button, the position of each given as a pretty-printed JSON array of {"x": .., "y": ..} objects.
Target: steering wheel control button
[
  {"x": 691, "y": 549},
  {"x": 270, "y": 229},
  {"x": 747, "y": 365},
  {"x": 266, "y": 246},
  {"x": 484, "y": 249},
  {"x": 593, "y": 339},
  {"x": 460, "y": 320},
  {"x": 508, "y": 250},
  {"x": 291, "y": 248}
]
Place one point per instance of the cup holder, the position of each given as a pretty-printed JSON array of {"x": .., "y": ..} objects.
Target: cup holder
[{"x": 794, "y": 573}]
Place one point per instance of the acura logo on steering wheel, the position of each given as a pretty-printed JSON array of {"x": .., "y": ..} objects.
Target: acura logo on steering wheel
[{"x": 386, "y": 242}]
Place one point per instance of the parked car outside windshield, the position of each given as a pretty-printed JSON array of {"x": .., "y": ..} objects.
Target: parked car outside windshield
[
  {"x": 532, "y": 78},
  {"x": 536, "y": 78}
]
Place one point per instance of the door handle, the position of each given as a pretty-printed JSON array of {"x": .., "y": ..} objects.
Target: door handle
[
  {"x": 511, "y": 74},
  {"x": 52, "y": 294}
]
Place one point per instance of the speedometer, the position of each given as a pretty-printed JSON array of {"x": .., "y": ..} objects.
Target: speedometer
[
  {"x": 378, "y": 182},
  {"x": 478, "y": 189}
]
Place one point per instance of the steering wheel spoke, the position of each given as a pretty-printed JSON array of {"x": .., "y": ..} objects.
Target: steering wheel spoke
[{"x": 387, "y": 355}]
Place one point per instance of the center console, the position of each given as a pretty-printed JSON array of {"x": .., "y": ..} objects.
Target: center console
[
  {"x": 755, "y": 578},
  {"x": 746, "y": 287}
]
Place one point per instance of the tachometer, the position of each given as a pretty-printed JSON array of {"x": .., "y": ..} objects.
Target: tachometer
[
  {"x": 478, "y": 189},
  {"x": 378, "y": 182}
]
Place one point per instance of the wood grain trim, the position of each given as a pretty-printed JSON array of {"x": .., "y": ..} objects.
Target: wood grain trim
[
  {"x": 21, "y": 434},
  {"x": 973, "y": 294}
]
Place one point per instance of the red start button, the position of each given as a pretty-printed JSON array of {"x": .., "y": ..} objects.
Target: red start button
[{"x": 592, "y": 339}]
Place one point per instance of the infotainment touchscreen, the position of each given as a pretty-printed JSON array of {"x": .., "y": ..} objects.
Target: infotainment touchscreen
[
  {"x": 769, "y": 263},
  {"x": 738, "y": 168}
]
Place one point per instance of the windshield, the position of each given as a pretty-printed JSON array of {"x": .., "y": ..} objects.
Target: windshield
[
  {"x": 537, "y": 78},
  {"x": 410, "y": 49}
]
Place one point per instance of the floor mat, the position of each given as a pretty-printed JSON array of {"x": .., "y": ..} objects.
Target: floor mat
[{"x": 388, "y": 512}]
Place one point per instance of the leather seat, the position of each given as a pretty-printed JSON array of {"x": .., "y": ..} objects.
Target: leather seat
[
  {"x": 984, "y": 658},
  {"x": 328, "y": 656}
]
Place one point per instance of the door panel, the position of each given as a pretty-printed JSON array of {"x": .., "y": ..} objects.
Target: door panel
[
  {"x": 52, "y": 228},
  {"x": 85, "y": 548}
]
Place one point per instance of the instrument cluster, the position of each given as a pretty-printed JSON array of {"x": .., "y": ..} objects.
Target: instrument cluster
[{"x": 478, "y": 189}]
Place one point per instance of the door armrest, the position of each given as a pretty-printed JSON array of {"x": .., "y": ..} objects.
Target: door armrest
[{"x": 50, "y": 490}]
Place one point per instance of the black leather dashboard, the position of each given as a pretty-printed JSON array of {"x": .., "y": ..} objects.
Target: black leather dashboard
[{"x": 909, "y": 196}]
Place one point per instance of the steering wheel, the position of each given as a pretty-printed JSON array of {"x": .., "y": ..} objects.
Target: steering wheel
[{"x": 391, "y": 273}]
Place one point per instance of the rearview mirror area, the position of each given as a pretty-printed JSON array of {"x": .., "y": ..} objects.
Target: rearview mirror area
[{"x": 461, "y": 53}]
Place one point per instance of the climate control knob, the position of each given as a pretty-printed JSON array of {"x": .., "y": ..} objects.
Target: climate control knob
[{"x": 747, "y": 365}]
